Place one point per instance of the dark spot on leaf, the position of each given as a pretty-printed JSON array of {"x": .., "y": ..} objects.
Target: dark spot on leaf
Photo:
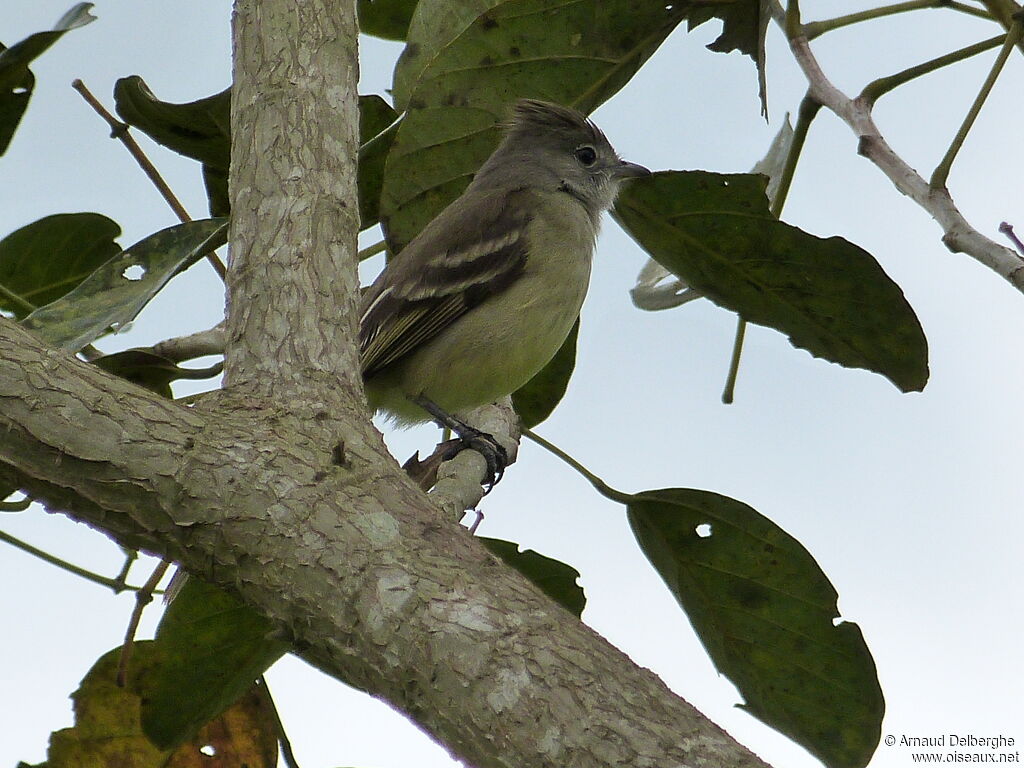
[
  {"x": 514, "y": 51},
  {"x": 488, "y": 23},
  {"x": 751, "y": 596},
  {"x": 412, "y": 50},
  {"x": 486, "y": 61},
  {"x": 417, "y": 103}
]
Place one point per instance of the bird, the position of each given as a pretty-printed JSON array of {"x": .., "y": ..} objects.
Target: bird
[{"x": 485, "y": 295}]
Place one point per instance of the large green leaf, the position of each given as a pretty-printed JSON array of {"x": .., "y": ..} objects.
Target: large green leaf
[
  {"x": 554, "y": 578},
  {"x": 576, "y": 53},
  {"x": 386, "y": 18},
  {"x": 17, "y": 81},
  {"x": 434, "y": 24},
  {"x": 118, "y": 290},
  {"x": 212, "y": 648},
  {"x": 767, "y": 615},
  {"x": 537, "y": 398},
  {"x": 744, "y": 27},
  {"x": 828, "y": 295},
  {"x": 44, "y": 260}
]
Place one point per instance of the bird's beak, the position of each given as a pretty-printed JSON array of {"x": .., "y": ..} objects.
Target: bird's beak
[{"x": 626, "y": 170}]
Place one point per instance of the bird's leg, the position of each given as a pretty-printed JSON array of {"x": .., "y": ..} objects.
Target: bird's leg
[{"x": 470, "y": 437}]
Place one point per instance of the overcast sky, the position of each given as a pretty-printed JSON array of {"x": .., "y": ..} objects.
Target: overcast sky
[{"x": 910, "y": 503}]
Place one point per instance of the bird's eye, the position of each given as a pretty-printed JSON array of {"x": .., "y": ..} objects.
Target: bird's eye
[{"x": 586, "y": 155}]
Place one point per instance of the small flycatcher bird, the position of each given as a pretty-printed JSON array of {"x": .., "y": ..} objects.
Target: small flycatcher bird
[{"x": 485, "y": 295}]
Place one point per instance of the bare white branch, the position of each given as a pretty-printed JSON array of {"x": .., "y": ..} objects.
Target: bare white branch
[{"x": 958, "y": 234}]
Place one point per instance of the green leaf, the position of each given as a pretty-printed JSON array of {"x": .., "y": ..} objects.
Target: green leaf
[
  {"x": 386, "y": 18},
  {"x": 118, "y": 290},
  {"x": 212, "y": 648},
  {"x": 829, "y": 296},
  {"x": 744, "y": 28},
  {"x": 434, "y": 24},
  {"x": 202, "y": 130},
  {"x": 198, "y": 129},
  {"x": 765, "y": 612},
  {"x": 150, "y": 370},
  {"x": 107, "y": 731},
  {"x": 537, "y": 398},
  {"x": 575, "y": 53},
  {"x": 377, "y": 128},
  {"x": 44, "y": 260},
  {"x": 17, "y": 81},
  {"x": 554, "y": 578}
]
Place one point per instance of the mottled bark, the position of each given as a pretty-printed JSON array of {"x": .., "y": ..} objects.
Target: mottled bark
[{"x": 279, "y": 489}]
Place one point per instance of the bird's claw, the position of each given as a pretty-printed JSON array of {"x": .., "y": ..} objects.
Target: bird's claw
[{"x": 493, "y": 452}]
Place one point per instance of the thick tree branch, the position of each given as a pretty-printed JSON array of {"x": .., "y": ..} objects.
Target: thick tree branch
[
  {"x": 369, "y": 581},
  {"x": 958, "y": 234}
]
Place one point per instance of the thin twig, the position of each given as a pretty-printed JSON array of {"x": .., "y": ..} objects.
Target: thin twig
[
  {"x": 878, "y": 88},
  {"x": 941, "y": 174},
  {"x": 814, "y": 29},
  {"x": 958, "y": 234},
  {"x": 143, "y": 597},
  {"x": 1007, "y": 229},
  {"x": 119, "y": 130},
  {"x": 116, "y": 584}
]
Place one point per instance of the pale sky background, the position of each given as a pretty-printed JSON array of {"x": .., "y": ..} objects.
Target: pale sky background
[{"x": 910, "y": 503}]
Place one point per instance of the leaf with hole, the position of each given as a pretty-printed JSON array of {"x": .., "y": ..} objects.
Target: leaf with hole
[
  {"x": 46, "y": 259},
  {"x": 766, "y": 614},
  {"x": 108, "y": 298},
  {"x": 828, "y": 295}
]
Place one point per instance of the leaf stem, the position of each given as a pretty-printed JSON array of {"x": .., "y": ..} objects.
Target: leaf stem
[
  {"x": 143, "y": 597},
  {"x": 1007, "y": 229},
  {"x": 599, "y": 485},
  {"x": 805, "y": 116},
  {"x": 119, "y": 130},
  {"x": 117, "y": 584},
  {"x": 941, "y": 174},
  {"x": 734, "y": 363},
  {"x": 878, "y": 88},
  {"x": 11, "y": 296},
  {"x": 814, "y": 29}
]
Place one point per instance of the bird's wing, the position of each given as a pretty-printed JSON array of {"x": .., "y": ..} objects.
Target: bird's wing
[{"x": 473, "y": 250}]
